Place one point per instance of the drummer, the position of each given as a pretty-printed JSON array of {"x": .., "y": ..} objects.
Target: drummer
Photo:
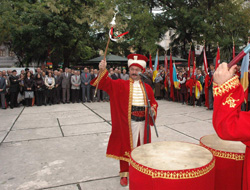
[
  {"x": 127, "y": 102},
  {"x": 229, "y": 121}
]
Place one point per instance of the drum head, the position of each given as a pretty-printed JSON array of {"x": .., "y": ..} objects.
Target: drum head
[
  {"x": 171, "y": 155},
  {"x": 215, "y": 142}
]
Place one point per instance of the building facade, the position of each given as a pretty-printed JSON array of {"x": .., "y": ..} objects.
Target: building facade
[{"x": 7, "y": 57}]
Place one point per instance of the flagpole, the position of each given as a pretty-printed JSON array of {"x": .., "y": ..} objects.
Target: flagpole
[{"x": 239, "y": 56}]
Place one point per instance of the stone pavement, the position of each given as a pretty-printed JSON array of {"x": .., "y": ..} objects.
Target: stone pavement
[{"x": 63, "y": 147}]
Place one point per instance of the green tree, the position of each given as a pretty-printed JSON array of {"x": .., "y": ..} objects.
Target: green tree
[
  {"x": 210, "y": 20},
  {"x": 49, "y": 30}
]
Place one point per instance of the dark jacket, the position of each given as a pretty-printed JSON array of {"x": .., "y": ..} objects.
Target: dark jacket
[
  {"x": 2, "y": 85},
  {"x": 14, "y": 83},
  {"x": 29, "y": 83},
  {"x": 115, "y": 77},
  {"x": 39, "y": 82},
  {"x": 58, "y": 81}
]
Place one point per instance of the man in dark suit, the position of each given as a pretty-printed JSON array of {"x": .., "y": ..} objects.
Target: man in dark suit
[
  {"x": 58, "y": 87},
  {"x": 2, "y": 90},
  {"x": 85, "y": 84},
  {"x": 14, "y": 89},
  {"x": 115, "y": 74},
  {"x": 66, "y": 78}
]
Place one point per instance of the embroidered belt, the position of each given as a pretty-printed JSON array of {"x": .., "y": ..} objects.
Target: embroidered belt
[{"x": 138, "y": 113}]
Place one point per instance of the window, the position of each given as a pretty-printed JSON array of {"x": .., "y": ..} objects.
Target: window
[
  {"x": 11, "y": 54},
  {"x": 2, "y": 53}
]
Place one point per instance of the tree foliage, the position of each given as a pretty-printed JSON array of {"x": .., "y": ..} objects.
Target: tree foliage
[
  {"x": 211, "y": 21},
  {"x": 72, "y": 31}
]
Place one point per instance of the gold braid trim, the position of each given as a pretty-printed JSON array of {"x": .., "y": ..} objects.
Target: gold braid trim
[
  {"x": 118, "y": 157},
  {"x": 230, "y": 84},
  {"x": 124, "y": 174},
  {"x": 145, "y": 98},
  {"x": 226, "y": 155},
  {"x": 181, "y": 174},
  {"x": 129, "y": 111},
  {"x": 99, "y": 77}
]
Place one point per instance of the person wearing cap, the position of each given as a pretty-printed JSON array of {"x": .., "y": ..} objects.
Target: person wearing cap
[
  {"x": 128, "y": 111},
  {"x": 14, "y": 89},
  {"x": 230, "y": 123}
]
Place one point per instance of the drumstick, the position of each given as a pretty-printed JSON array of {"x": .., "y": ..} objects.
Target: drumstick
[{"x": 239, "y": 56}]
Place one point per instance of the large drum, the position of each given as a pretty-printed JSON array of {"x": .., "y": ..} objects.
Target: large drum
[
  {"x": 171, "y": 165},
  {"x": 229, "y": 158}
]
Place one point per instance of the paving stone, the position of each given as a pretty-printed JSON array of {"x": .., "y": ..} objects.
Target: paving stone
[
  {"x": 82, "y": 120},
  {"x": 40, "y": 158},
  {"x": 6, "y": 121},
  {"x": 2, "y": 135},
  {"x": 173, "y": 119},
  {"x": 31, "y": 134},
  {"x": 54, "y": 108},
  {"x": 8, "y": 111},
  {"x": 88, "y": 128},
  {"x": 166, "y": 134},
  {"x": 66, "y": 187},
  {"x": 196, "y": 129},
  {"x": 203, "y": 115},
  {"x": 38, "y": 123},
  {"x": 110, "y": 184},
  {"x": 30, "y": 165}
]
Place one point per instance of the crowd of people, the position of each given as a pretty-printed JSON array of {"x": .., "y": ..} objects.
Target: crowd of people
[{"x": 47, "y": 87}]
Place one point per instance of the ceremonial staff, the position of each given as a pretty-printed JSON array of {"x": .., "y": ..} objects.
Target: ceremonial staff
[{"x": 113, "y": 37}]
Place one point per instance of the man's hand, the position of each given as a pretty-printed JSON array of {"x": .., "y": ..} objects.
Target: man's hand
[
  {"x": 223, "y": 74},
  {"x": 152, "y": 111},
  {"x": 102, "y": 65}
]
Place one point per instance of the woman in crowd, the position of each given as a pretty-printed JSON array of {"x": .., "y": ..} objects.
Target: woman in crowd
[
  {"x": 28, "y": 89},
  {"x": 39, "y": 88},
  {"x": 50, "y": 84}
]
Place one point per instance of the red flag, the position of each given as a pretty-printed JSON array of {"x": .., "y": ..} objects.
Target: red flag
[
  {"x": 189, "y": 59},
  {"x": 171, "y": 78},
  {"x": 205, "y": 61},
  {"x": 194, "y": 66},
  {"x": 207, "y": 79},
  {"x": 166, "y": 72},
  {"x": 150, "y": 62},
  {"x": 217, "y": 62}
]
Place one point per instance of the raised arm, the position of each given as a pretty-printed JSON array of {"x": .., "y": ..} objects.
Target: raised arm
[{"x": 229, "y": 121}]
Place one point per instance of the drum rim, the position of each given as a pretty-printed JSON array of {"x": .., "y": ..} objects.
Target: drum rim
[
  {"x": 223, "y": 154},
  {"x": 174, "y": 174}
]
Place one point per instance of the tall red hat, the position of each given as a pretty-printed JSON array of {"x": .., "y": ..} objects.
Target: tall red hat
[{"x": 137, "y": 60}]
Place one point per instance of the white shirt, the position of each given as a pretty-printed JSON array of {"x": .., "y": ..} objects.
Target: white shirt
[
  {"x": 137, "y": 98},
  {"x": 137, "y": 127}
]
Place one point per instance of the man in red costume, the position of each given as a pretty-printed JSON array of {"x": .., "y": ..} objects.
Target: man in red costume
[
  {"x": 229, "y": 121},
  {"x": 128, "y": 111}
]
